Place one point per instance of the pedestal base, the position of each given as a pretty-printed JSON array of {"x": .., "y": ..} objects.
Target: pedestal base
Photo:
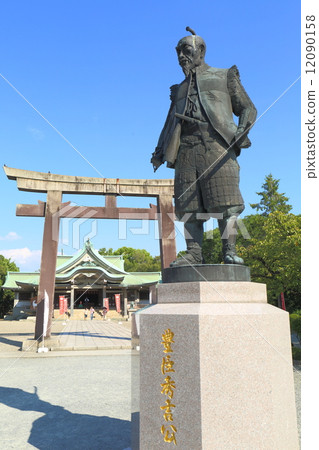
[
  {"x": 216, "y": 374},
  {"x": 206, "y": 272}
]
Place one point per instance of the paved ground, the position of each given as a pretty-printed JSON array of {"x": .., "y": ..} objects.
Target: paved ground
[
  {"x": 95, "y": 335},
  {"x": 80, "y": 402},
  {"x": 66, "y": 399},
  {"x": 69, "y": 399},
  {"x": 14, "y": 332},
  {"x": 72, "y": 335}
]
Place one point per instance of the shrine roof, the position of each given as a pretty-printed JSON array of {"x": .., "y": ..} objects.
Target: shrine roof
[
  {"x": 89, "y": 254},
  {"x": 29, "y": 278},
  {"x": 61, "y": 259},
  {"x": 139, "y": 278},
  {"x": 88, "y": 263}
]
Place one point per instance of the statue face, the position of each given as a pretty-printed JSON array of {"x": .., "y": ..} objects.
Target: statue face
[{"x": 189, "y": 54}]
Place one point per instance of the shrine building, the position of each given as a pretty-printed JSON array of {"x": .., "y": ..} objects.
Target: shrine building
[{"x": 85, "y": 279}]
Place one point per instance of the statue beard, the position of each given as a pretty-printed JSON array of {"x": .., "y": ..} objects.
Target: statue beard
[
  {"x": 186, "y": 67},
  {"x": 189, "y": 65}
]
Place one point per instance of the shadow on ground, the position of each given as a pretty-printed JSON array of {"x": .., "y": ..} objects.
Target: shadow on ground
[
  {"x": 61, "y": 429},
  {"x": 4, "y": 340},
  {"x": 93, "y": 334},
  {"x": 7, "y": 338}
]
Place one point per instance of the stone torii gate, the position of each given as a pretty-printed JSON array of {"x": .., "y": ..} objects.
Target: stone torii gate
[{"x": 53, "y": 210}]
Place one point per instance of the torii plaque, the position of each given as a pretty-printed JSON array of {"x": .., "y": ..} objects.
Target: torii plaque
[{"x": 53, "y": 210}]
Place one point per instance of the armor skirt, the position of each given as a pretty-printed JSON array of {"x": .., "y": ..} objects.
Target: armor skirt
[{"x": 206, "y": 176}]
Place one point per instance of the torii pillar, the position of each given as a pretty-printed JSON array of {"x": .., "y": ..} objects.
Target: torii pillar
[{"x": 48, "y": 264}]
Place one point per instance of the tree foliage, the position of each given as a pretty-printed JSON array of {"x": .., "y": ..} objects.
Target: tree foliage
[
  {"x": 212, "y": 247},
  {"x": 135, "y": 260},
  {"x": 275, "y": 257},
  {"x": 272, "y": 248},
  {"x": 295, "y": 323},
  {"x": 6, "y": 265},
  {"x": 6, "y": 296},
  {"x": 271, "y": 200}
]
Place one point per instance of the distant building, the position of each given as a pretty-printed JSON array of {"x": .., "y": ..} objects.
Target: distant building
[{"x": 86, "y": 279}]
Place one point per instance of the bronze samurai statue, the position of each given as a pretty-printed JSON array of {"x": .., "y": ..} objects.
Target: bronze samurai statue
[{"x": 202, "y": 142}]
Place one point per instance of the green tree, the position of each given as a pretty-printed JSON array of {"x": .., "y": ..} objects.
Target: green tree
[
  {"x": 6, "y": 296},
  {"x": 212, "y": 244},
  {"x": 135, "y": 260},
  {"x": 6, "y": 265},
  {"x": 272, "y": 249},
  {"x": 295, "y": 323},
  {"x": 273, "y": 254},
  {"x": 271, "y": 200},
  {"x": 212, "y": 247}
]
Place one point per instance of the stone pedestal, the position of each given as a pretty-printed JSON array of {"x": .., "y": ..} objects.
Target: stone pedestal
[
  {"x": 206, "y": 272},
  {"x": 215, "y": 370}
]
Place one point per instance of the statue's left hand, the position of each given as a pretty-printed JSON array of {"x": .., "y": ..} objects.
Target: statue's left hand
[
  {"x": 240, "y": 135},
  {"x": 241, "y": 139}
]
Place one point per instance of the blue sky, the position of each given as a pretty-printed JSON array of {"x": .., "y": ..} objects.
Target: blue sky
[{"x": 100, "y": 73}]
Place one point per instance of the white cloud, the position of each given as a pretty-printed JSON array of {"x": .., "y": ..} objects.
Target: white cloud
[
  {"x": 27, "y": 260},
  {"x": 11, "y": 236},
  {"x": 37, "y": 134}
]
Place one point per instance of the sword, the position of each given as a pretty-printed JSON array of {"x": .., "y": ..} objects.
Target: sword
[{"x": 188, "y": 119}]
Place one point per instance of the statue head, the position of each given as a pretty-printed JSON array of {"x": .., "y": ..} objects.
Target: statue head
[{"x": 190, "y": 51}]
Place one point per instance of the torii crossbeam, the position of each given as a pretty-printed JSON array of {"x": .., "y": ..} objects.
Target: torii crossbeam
[{"x": 53, "y": 210}]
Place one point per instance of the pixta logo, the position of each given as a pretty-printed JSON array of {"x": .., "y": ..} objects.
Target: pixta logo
[
  {"x": 142, "y": 226},
  {"x": 73, "y": 231}
]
